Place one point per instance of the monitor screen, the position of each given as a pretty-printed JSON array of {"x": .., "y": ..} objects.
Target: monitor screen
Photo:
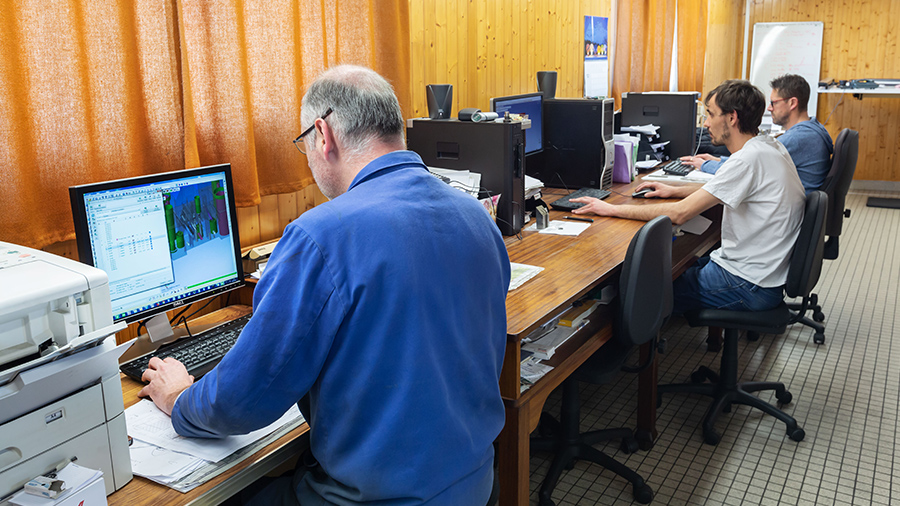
[
  {"x": 164, "y": 240},
  {"x": 530, "y": 104}
]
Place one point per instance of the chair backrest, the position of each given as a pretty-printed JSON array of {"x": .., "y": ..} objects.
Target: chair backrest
[
  {"x": 806, "y": 259},
  {"x": 645, "y": 285},
  {"x": 837, "y": 182}
]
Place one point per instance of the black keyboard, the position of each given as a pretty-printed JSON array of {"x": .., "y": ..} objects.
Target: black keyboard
[
  {"x": 676, "y": 168},
  {"x": 199, "y": 353},
  {"x": 565, "y": 203}
]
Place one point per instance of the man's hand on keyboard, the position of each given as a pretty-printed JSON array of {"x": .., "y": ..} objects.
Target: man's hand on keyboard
[
  {"x": 697, "y": 161},
  {"x": 167, "y": 379}
]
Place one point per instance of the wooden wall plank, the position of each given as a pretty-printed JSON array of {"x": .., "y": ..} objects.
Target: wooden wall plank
[{"x": 860, "y": 40}]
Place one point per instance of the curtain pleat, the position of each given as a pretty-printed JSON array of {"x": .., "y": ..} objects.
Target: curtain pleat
[{"x": 93, "y": 90}]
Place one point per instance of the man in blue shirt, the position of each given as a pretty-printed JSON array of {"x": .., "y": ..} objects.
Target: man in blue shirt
[
  {"x": 806, "y": 139},
  {"x": 385, "y": 305}
]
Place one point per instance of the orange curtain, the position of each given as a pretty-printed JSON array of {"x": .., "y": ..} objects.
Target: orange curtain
[
  {"x": 692, "y": 23},
  {"x": 644, "y": 31},
  {"x": 93, "y": 90}
]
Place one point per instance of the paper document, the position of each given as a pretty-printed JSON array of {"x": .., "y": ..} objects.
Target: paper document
[
  {"x": 147, "y": 423},
  {"x": 642, "y": 129},
  {"x": 696, "y": 225},
  {"x": 469, "y": 182},
  {"x": 695, "y": 176},
  {"x": 562, "y": 227},
  {"x": 521, "y": 273},
  {"x": 646, "y": 164}
]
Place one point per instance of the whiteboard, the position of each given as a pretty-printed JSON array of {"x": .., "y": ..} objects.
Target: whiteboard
[{"x": 786, "y": 48}]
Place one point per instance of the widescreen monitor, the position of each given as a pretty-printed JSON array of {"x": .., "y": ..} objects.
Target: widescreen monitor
[
  {"x": 530, "y": 104},
  {"x": 164, "y": 240}
]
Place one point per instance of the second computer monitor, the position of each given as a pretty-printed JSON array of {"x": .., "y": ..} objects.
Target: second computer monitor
[
  {"x": 674, "y": 113},
  {"x": 530, "y": 104}
]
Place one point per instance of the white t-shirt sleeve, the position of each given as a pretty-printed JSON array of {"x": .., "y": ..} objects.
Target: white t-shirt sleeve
[{"x": 732, "y": 183}]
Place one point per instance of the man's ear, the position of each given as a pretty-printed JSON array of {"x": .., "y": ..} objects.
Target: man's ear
[
  {"x": 325, "y": 138},
  {"x": 732, "y": 118}
]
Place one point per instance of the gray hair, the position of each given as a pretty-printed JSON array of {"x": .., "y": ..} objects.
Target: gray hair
[{"x": 364, "y": 107}]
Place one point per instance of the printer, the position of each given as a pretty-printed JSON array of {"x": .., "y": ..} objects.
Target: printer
[{"x": 60, "y": 393}]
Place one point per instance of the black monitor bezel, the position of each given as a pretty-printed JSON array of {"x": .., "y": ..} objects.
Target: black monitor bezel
[
  {"x": 525, "y": 95},
  {"x": 83, "y": 242}
]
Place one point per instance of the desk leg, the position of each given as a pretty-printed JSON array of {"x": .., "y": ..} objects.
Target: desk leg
[
  {"x": 646, "y": 412},
  {"x": 514, "y": 457}
]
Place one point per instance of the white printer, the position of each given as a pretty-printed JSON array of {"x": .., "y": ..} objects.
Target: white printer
[{"x": 60, "y": 393}]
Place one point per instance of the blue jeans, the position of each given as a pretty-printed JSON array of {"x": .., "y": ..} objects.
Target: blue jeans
[{"x": 706, "y": 285}]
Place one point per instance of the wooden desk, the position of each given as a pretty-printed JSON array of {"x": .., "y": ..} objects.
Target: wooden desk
[
  {"x": 141, "y": 491},
  {"x": 572, "y": 267}
]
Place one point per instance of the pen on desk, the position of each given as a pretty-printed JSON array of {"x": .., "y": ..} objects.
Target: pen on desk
[{"x": 578, "y": 219}]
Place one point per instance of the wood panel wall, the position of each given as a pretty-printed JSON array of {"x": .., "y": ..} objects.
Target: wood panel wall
[
  {"x": 860, "y": 40},
  {"x": 490, "y": 48}
]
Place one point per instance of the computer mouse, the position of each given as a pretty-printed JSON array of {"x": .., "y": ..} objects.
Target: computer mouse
[{"x": 642, "y": 194}]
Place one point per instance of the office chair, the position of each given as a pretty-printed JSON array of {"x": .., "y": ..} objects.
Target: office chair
[
  {"x": 803, "y": 273},
  {"x": 645, "y": 301},
  {"x": 836, "y": 186}
]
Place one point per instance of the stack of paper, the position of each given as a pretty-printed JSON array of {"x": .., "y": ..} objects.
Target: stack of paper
[
  {"x": 521, "y": 273},
  {"x": 532, "y": 187},
  {"x": 159, "y": 454},
  {"x": 544, "y": 346},
  {"x": 467, "y": 181}
]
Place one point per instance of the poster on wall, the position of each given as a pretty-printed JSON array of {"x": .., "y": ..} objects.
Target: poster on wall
[{"x": 596, "y": 58}]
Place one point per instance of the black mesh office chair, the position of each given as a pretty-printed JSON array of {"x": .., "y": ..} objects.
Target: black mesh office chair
[
  {"x": 645, "y": 301},
  {"x": 805, "y": 267},
  {"x": 836, "y": 186}
]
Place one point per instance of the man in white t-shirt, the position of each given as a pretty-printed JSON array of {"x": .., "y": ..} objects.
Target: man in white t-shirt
[{"x": 763, "y": 199}]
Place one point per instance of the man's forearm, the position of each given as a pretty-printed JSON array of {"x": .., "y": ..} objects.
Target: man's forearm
[{"x": 649, "y": 211}]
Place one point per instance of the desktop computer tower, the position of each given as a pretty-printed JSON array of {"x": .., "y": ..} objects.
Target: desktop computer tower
[
  {"x": 494, "y": 150},
  {"x": 579, "y": 150},
  {"x": 674, "y": 113}
]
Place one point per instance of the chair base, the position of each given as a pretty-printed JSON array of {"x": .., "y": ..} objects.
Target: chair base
[
  {"x": 725, "y": 391},
  {"x": 817, "y": 318},
  {"x": 568, "y": 445}
]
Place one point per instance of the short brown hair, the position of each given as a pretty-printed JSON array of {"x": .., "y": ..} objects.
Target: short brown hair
[
  {"x": 792, "y": 86},
  {"x": 737, "y": 95}
]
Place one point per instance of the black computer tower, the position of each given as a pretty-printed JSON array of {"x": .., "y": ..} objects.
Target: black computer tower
[
  {"x": 494, "y": 150},
  {"x": 675, "y": 113},
  {"x": 578, "y": 144}
]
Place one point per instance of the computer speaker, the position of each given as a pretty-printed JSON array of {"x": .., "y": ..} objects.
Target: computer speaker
[
  {"x": 440, "y": 100},
  {"x": 546, "y": 83}
]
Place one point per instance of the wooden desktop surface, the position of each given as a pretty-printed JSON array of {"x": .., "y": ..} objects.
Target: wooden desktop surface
[
  {"x": 573, "y": 266},
  {"x": 141, "y": 491}
]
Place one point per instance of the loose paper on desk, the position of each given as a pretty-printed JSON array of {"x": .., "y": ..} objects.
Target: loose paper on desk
[
  {"x": 696, "y": 225},
  {"x": 147, "y": 423},
  {"x": 464, "y": 180},
  {"x": 521, "y": 273},
  {"x": 694, "y": 176},
  {"x": 562, "y": 227}
]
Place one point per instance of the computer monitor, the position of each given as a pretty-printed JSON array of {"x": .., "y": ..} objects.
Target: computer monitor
[
  {"x": 675, "y": 113},
  {"x": 164, "y": 240},
  {"x": 530, "y": 104}
]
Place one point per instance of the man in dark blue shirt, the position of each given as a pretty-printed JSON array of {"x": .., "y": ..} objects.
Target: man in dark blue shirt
[
  {"x": 385, "y": 305},
  {"x": 806, "y": 139}
]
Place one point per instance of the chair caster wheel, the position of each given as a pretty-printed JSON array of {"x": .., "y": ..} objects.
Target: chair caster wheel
[
  {"x": 698, "y": 376},
  {"x": 813, "y": 299},
  {"x": 711, "y": 437},
  {"x": 797, "y": 434},
  {"x": 643, "y": 493},
  {"x": 629, "y": 446},
  {"x": 819, "y": 338},
  {"x": 819, "y": 316},
  {"x": 784, "y": 398}
]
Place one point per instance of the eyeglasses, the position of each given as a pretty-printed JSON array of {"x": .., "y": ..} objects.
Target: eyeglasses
[
  {"x": 773, "y": 102},
  {"x": 299, "y": 140}
]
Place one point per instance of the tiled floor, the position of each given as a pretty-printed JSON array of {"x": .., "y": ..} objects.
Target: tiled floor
[{"x": 846, "y": 396}]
